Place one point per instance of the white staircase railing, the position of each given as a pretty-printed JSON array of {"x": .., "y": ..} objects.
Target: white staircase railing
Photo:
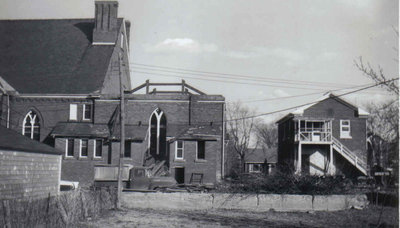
[{"x": 349, "y": 155}]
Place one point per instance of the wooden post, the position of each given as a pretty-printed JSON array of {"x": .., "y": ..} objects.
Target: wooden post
[
  {"x": 147, "y": 86},
  {"x": 7, "y": 214},
  {"x": 122, "y": 141},
  {"x": 298, "y": 170},
  {"x": 183, "y": 86},
  {"x": 331, "y": 170}
]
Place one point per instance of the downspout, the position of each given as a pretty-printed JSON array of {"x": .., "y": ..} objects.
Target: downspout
[
  {"x": 8, "y": 110},
  {"x": 5, "y": 94},
  {"x": 223, "y": 141}
]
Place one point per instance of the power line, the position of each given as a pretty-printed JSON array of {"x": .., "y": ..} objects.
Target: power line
[
  {"x": 240, "y": 75},
  {"x": 242, "y": 78},
  {"x": 225, "y": 81}
]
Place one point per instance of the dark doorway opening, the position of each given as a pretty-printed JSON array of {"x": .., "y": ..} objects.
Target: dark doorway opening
[
  {"x": 180, "y": 175},
  {"x": 305, "y": 164}
]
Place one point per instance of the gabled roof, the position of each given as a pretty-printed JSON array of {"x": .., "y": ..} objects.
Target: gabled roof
[
  {"x": 52, "y": 56},
  {"x": 14, "y": 141},
  {"x": 300, "y": 110},
  {"x": 260, "y": 155}
]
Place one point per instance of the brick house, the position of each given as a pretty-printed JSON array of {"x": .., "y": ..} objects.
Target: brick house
[
  {"x": 29, "y": 169},
  {"x": 60, "y": 84},
  {"x": 261, "y": 160},
  {"x": 328, "y": 137}
]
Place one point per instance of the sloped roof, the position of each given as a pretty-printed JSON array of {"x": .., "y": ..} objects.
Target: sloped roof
[
  {"x": 300, "y": 110},
  {"x": 194, "y": 131},
  {"x": 14, "y": 141},
  {"x": 259, "y": 155},
  {"x": 52, "y": 56},
  {"x": 72, "y": 129}
]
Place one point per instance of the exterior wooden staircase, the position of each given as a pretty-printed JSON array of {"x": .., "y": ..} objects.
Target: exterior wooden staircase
[{"x": 349, "y": 155}]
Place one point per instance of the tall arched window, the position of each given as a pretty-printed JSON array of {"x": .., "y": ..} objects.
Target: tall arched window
[
  {"x": 31, "y": 126},
  {"x": 158, "y": 127}
]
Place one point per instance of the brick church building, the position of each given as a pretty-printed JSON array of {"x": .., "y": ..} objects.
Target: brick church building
[{"x": 60, "y": 84}]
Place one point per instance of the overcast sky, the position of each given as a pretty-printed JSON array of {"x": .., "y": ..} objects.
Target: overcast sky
[{"x": 314, "y": 41}]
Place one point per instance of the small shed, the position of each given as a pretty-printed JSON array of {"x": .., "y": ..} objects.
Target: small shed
[{"x": 28, "y": 168}]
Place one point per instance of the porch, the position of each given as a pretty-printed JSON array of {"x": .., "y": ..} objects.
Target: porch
[
  {"x": 308, "y": 131},
  {"x": 314, "y": 152}
]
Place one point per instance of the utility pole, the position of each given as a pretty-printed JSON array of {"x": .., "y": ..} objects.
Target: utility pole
[{"x": 122, "y": 142}]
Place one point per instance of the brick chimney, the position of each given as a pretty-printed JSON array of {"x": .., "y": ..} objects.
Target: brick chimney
[{"x": 105, "y": 22}]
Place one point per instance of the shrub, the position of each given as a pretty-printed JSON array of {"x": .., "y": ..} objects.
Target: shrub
[{"x": 283, "y": 183}]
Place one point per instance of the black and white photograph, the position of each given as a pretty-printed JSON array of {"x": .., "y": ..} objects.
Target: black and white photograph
[{"x": 199, "y": 113}]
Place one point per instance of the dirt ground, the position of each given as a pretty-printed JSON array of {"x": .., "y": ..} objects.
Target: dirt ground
[{"x": 370, "y": 217}]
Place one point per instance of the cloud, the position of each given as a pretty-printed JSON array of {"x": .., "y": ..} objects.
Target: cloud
[
  {"x": 290, "y": 57},
  {"x": 280, "y": 93},
  {"x": 182, "y": 45}
]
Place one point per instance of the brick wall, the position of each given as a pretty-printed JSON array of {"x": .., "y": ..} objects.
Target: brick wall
[
  {"x": 332, "y": 108},
  {"x": 28, "y": 175},
  {"x": 78, "y": 168},
  {"x": 208, "y": 166},
  {"x": 50, "y": 111}
]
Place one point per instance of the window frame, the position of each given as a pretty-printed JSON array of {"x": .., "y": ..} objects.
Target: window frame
[
  {"x": 76, "y": 111},
  {"x": 84, "y": 111},
  {"x": 81, "y": 147},
  {"x": 127, "y": 142},
  {"x": 204, "y": 149},
  {"x": 176, "y": 150},
  {"x": 34, "y": 124},
  {"x": 67, "y": 140},
  {"x": 345, "y": 134},
  {"x": 251, "y": 167},
  {"x": 95, "y": 148}
]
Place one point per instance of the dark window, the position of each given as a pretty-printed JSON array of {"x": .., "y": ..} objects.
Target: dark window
[
  {"x": 70, "y": 147},
  {"x": 179, "y": 149},
  {"x": 127, "y": 152},
  {"x": 84, "y": 147},
  {"x": 87, "y": 112},
  {"x": 201, "y": 150},
  {"x": 98, "y": 148}
]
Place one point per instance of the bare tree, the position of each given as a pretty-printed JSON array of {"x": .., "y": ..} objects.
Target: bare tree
[
  {"x": 384, "y": 118},
  {"x": 241, "y": 130},
  {"x": 377, "y": 76},
  {"x": 383, "y": 123},
  {"x": 267, "y": 135}
]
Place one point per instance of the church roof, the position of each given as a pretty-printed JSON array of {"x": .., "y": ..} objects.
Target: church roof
[{"x": 52, "y": 56}]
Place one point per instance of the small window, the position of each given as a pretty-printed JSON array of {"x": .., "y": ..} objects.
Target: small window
[
  {"x": 201, "y": 150},
  {"x": 69, "y": 147},
  {"x": 127, "y": 152},
  {"x": 98, "y": 148},
  {"x": 122, "y": 40},
  {"x": 345, "y": 129},
  {"x": 179, "y": 149},
  {"x": 87, "y": 112},
  {"x": 84, "y": 148},
  {"x": 73, "y": 112},
  {"x": 255, "y": 168}
]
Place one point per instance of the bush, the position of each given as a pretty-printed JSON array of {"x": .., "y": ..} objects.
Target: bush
[
  {"x": 283, "y": 183},
  {"x": 56, "y": 211}
]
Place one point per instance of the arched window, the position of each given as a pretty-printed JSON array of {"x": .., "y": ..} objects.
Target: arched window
[
  {"x": 31, "y": 126},
  {"x": 158, "y": 126}
]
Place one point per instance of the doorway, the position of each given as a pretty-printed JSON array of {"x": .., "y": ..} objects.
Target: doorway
[
  {"x": 180, "y": 175},
  {"x": 305, "y": 164}
]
